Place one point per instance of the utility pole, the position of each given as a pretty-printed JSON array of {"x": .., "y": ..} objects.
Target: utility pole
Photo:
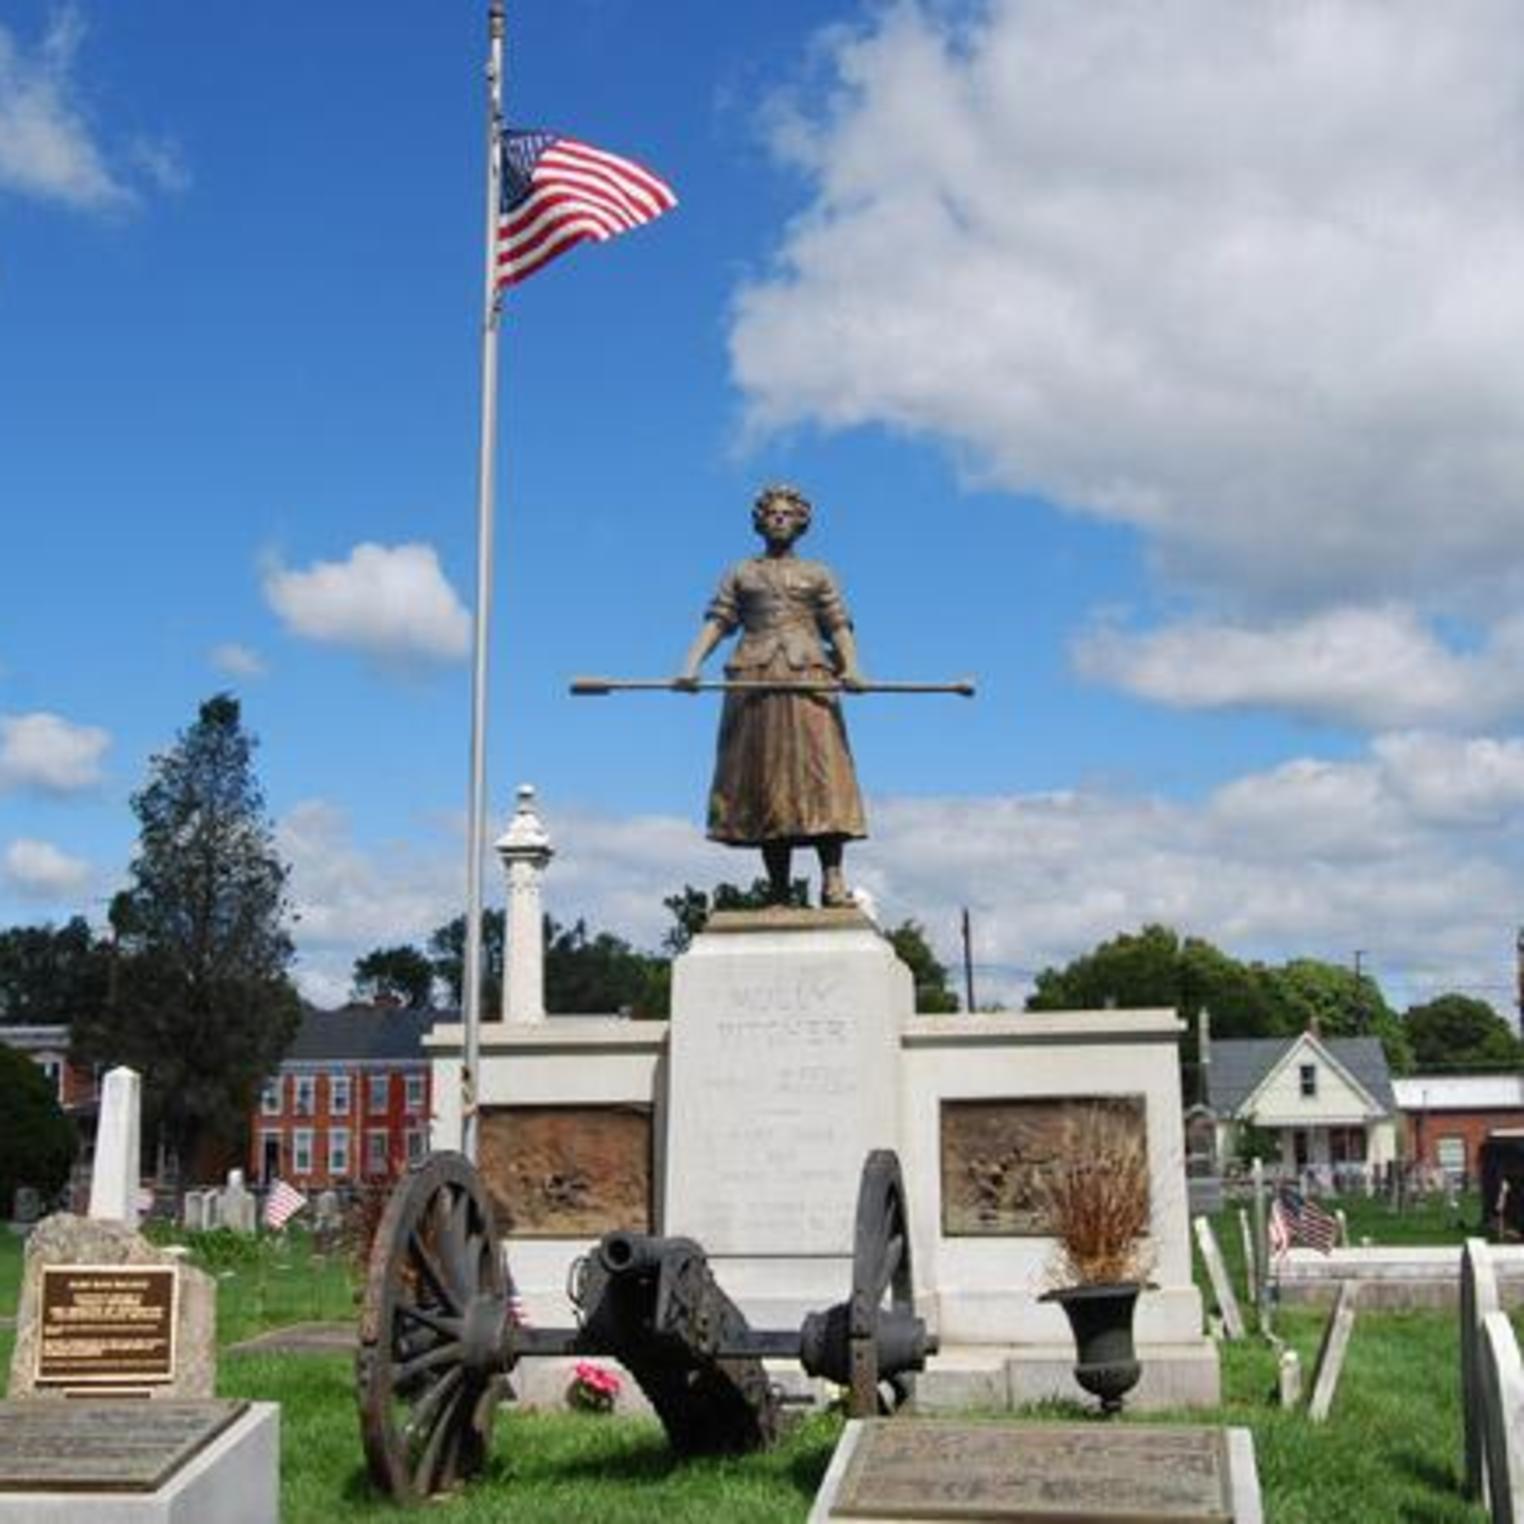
[
  {"x": 968, "y": 965},
  {"x": 1359, "y": 989}
]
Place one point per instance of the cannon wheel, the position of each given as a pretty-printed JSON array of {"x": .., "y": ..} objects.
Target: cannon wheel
[
  {"x": 881, "y": 1276},
  {"x": 435, "y": 1298}
]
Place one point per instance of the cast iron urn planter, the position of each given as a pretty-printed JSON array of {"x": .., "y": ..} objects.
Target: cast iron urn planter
[{"x": 1101, "y": 1317}]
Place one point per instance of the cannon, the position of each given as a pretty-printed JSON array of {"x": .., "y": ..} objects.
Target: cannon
[{"x": 440, "y": 1332}]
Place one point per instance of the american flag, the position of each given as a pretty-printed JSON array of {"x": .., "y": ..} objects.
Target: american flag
[
  {"x": 1279, "y": 1229},
  {"x": 282, "y": 1204},
  {"x": 1306, "y": 1223},
  {"x": 556, "y": 192}
]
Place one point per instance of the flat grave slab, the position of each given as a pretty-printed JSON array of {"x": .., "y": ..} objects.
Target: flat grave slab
[
  {"x": 910, "y": 1469},
  {"x": 104, "y": 1446}
]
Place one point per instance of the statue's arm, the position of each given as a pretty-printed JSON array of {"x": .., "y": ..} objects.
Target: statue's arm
[
  {"x": 845, "y": 641},
  {"x": 837, "y": 623},
  {"x": 712, "y": 633}
]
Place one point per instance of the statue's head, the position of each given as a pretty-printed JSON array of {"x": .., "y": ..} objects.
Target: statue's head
[{"x": 779, "y": 494}]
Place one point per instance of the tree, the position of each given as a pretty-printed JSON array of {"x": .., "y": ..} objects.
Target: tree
[
  {"x": 203, "y": 1007},
  {"x": 36, "y": 1138},
  {"x": 447, "y": 945},
  {"x": 51, "y": 974},
  {"x": 933, "y": 994},
  {"x": 395, "y": 974},
  {"x": 587, "y": 973},
  {"x": 1458, "y": 1032},
  {"x": 1341, "y": 1003},
  {"x": 691, "y": 907}
]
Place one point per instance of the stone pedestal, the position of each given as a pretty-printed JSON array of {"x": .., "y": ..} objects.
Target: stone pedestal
[{"x": 784, "y": 1053}]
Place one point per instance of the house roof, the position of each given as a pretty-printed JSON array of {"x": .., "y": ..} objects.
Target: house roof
[
  {"x": 1460, "y": 1092},
  {"x": 363, "y": 1032},
  {"x": 1239, "y": 1066}
]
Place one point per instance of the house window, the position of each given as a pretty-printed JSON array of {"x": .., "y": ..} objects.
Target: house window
[
  {"x": 379, "y": 1087},
  {"x": 1450, "y": 1155},
  {"x": 338, "y": 1151},
  {"x": 301, "y": 1151},
  {"x": 53, "y": 1068},
  {"x": 414, "y": 1084},
  {"x": 269, "y": 1099},
  {"x": 338, "y": 1095},
  {"x": 306, "y": 1094},
  {"x": 417, "y": 1145},
  {"x": 1346, "y": 1145},
  {"x": 1309, "y": 1079},
  {"x": 375, "y": 1151}
]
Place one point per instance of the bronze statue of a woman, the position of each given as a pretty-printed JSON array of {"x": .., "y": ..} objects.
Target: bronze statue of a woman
[{"x": 783, "y": 774}]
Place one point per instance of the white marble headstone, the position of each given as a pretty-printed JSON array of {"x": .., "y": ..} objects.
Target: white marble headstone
[
  {"x": 1222, "y": 1286},
  {"x": 114, "y": 1176},
  {"x": 1478, "y": 1297},
  {"x": 1331, "y": 1352},
  {"x": 1502, "y": 1387}
]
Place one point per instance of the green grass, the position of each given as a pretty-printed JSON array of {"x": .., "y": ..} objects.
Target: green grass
[{"x": 1390, "y": 1452}]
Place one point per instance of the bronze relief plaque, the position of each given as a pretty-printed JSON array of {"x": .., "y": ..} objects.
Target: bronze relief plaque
[
  {"x": 106, "y": 1325},
  {"x": 994, "y": 1152},
  {"x": 1037, "y": 1473},
  {"x": 568, "y": 1171}
]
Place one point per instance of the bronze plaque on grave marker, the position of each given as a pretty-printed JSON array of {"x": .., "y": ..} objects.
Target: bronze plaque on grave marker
[
  {"x": 1037, "y": 1473},
  {"x": 106, "y": 1325},
  {"x": 568, "y": 1171},
  {"x": 994, "y": 1152},
  {"x": 104, "y": 1446}
]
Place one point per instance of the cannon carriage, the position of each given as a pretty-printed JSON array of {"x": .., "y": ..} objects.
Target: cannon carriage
[{"x": 440, "y": 1332}]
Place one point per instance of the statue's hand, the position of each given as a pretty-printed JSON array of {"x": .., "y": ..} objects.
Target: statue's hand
[
  {"x": 853, "y": 680},
  {"x": 686, "y": 682}
]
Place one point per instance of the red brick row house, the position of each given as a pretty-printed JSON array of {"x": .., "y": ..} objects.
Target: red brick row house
[
  {"x": 350, "y": 1103},
  {"x": 1446, "y": 1117}
]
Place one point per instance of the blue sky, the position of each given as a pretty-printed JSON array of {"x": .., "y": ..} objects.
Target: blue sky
[{"x": 1155, "y": 364}]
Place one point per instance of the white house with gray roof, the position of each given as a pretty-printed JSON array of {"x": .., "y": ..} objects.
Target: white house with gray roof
[{"x": 1330, "y": 1100}]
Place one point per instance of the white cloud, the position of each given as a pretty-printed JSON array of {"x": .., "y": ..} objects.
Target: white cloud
[
  {"x": 391, "y": 602},
  {"x": 47, "y": 752},
  {"x": 162, "y": 162},
  {"x": 47, "y": 146},
  {"x": 1375, "y": 667},
  {"x": 37, "y": 870},
  {"x": 1242, "y": 276},
  {"x": 237, "y": 660}
]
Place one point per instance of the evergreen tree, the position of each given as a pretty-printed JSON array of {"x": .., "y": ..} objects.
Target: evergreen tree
[
  {"x": 203, "y": 1006},
  {"x": 401, "y": 975}
]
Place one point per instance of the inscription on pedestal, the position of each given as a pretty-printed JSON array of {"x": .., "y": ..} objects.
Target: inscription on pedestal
[
  {"x": 104, "y": 1446},
  {"x": 106, "y": 1325},
  {"x": 1038, "y": 1474},
  {"x": 995, "y": 1151},
  {"x": 568, "y": 1171}
]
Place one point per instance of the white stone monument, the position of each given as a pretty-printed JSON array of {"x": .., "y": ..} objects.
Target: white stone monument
[
  {"x": 525, "y": 851},
  {"x": 114, "y": 1176},
  {"x": 1478, "y": 1298},
  {"x": 784, "y": 1055}
]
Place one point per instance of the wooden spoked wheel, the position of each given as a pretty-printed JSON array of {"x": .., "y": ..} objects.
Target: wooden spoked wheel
[
  {"x": 882, "y": 1281},
  {"x": 428, "y": 1371}
]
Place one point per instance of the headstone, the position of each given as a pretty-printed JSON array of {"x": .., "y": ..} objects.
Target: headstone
[
  {"x": 1336, "y": 1332},
  {"x": 1343, "y": 1222},
  {"x": 193, "y": 1212},
  {"x": 1246, "y": 1238},
  {"x": 236, "y": 1207},
  {"x": 1261, "y": 1245},
  {"x": 1289, "y": 1378},
  {"x": 327, "y": 1213},
  {"x": 918, "y": 1469},
  {"x": 26, "y": 1208},
  {"x": 114, "y": 1180},
  {"x": 103, "y": 1310},
  {"x": 1502, "y": 1387},
  {"x": 1478, "y": 1297},
  {"x": 1222, "y": 1286}
]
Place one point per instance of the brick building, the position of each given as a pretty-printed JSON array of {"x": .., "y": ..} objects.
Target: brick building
[
  {"x": 349, "y": 1104},
  {"x": 77, "y": 1086},
  {"x": 1446, "y": 1117}
]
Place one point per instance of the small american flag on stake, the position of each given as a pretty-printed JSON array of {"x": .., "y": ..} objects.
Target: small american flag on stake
[
  {"x": 554, "y": 192},
  {"x": 282, "y": 1204},
  {"x": 1306, "y": 1223}
]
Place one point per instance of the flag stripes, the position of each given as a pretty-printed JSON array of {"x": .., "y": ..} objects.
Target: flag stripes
[
  {"x": 556, "y": 193},
  {"x": 1303, "y": 1221},
  {"x": 282, "y": 1204}
]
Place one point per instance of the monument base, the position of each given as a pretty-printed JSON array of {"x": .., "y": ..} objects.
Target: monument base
[{"x": 234, "y": 1479}]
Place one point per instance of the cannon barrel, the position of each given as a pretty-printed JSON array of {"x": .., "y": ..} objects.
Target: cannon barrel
[{"x": 623, "y": 1253}]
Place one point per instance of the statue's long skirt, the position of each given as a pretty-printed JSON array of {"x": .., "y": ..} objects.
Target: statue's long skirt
[{"x": 783, "y": 768}]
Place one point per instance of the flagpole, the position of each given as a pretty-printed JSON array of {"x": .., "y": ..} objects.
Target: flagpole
[{"x": 476, "y": 810}]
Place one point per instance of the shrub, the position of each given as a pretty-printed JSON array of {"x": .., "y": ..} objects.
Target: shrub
[{"x": 37, "y": 1140}]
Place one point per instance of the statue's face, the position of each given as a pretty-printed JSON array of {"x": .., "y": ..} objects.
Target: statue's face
[{"x": 779, "y": 521}]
